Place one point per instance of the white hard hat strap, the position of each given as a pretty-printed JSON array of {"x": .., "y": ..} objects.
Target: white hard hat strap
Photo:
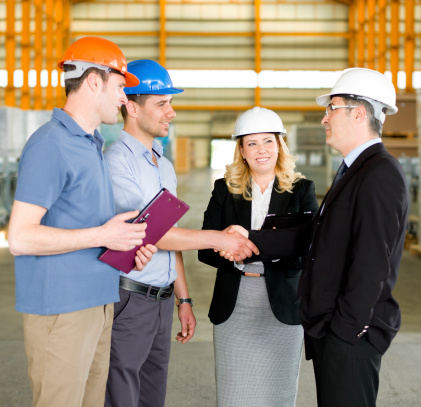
[
  {"x": 378, "y": 108},
  {"x": 81, "y": 67}
]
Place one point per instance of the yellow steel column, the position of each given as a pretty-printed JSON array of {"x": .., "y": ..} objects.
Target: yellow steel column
[
  {"x": 162, "y": 32},
  {"x": 257, "y": 49},
  {"x": 59, "y": 24},
  {"x": 371, "y": 33},
  {"x": 382, "y": 36},
  {"x": 351, "y": 40},
  {"x": 394, "y": 42},
  {"x": 66, "y": 37},
  {"x": 409, "y": 43},
  {"x": 66, "y": 24},
  {"x": 38, "y": 46},
  {"x": 25, "y": 99},
  {"x": 361, "y": 33},
  {"x": 10, "y": 97},
  {"x": 50, "y": 52}
]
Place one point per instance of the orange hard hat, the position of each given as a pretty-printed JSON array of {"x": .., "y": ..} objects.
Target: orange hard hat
[{"x": 98, "y": 52}]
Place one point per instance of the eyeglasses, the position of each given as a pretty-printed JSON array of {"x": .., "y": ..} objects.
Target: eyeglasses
[{"x": 331, "y": 108}]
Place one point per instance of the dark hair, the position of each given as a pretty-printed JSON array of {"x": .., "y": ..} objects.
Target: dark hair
[
  {"x": 374, "y": 124},
  {"x": 73, "y": 84},
  {"x": 138, "y": 99}
]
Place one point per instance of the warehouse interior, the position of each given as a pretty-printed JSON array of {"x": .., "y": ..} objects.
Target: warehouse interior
[{"x": 228, "y": 56}]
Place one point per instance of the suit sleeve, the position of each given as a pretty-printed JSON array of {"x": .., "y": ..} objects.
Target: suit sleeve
[
  {"x": 295, "y": 241},
  {"x": 378, "y": 227},
  {"x": 213, "y": 221}
]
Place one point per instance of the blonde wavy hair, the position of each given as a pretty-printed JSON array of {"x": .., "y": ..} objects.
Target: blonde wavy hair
[{"x": 238, "y": 175}]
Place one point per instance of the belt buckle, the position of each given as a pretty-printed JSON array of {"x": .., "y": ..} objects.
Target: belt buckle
[
  {"x": 159, "y": 293},
  {"x": 251, "y": 274}
]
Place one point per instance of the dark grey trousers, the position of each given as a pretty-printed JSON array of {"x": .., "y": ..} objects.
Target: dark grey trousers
[
  {"x": 346, "y": 375},
  {"x": 140, "y": 351}
]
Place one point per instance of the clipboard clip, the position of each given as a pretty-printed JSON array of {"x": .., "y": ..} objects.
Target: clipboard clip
[{"x": 143, "y": 219}]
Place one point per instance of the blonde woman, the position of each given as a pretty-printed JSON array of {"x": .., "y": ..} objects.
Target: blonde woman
[{"x": 257, "y": 333}]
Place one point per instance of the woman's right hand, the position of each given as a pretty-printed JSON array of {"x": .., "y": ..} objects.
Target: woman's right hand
[{"x": 239, "y": 229}]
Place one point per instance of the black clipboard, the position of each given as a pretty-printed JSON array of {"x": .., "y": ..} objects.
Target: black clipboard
[{"x": 286, "y": 221}]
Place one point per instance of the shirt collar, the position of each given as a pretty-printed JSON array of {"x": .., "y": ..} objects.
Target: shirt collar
[
  {"x": 70, "y": 124},
  {"x": 137, "y": 148},
  {"x": 256, "y": 189},
  {"x": 353, "y": 155}
]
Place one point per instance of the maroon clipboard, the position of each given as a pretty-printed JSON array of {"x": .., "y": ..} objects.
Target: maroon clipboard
[{"x": 161, "y": 213}]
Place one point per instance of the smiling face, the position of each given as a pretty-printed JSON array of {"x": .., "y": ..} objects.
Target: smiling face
[
  {"x": 261, "y": 152},
  {"x": 111, "y": 98},
  {"x": 155, "y": 115}
]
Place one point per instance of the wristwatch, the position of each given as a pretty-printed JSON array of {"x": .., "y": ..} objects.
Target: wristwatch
[{"x": 183, "y": 300}]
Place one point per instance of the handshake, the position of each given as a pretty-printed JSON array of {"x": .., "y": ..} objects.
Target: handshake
[
  {"x": 231, "y": 243},
  {"x": 235, "y": 245}
]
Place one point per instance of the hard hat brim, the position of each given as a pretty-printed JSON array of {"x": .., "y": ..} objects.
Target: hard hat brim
[
  {"x": 167, "y": 91},
  {"x": 237, "y": 136},
  {"x": 324, "y": 100},
  {"x": 131, "y": 80}
]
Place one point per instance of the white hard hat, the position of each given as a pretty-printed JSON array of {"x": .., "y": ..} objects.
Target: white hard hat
[
  {"x": 258, "y": 120},
  {"x": 366, "y": 84}
]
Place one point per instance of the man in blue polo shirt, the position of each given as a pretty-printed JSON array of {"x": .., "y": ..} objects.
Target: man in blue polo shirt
[{"x": 62, "y": 215}]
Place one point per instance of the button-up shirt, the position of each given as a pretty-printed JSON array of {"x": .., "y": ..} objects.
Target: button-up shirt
[
  {"x": 136, "y": 180},
  {"x": 353, "y": 155}
]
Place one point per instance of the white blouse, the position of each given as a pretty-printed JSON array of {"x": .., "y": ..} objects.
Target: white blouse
[
  {"x": 259, "y": 210},
  {"x": 260, "y": 205}
]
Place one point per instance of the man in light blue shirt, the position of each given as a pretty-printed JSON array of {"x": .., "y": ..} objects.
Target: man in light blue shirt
[{"x": 143, "y": 318}]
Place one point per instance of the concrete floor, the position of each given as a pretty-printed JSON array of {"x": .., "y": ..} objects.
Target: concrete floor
[{"x": 191, "y": 378}]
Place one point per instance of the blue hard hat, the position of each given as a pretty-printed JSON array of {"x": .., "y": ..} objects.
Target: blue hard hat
[{"x": 154, "y": 79}]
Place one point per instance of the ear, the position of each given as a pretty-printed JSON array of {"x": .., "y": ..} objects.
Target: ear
[
  {"x": 93, "y": 81},
  {"x": 132, "y": 108},
  {"x": 360, "y": 114}
]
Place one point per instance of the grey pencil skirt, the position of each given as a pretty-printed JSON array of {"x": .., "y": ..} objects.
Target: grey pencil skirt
[{"x": 257, "y": 357}]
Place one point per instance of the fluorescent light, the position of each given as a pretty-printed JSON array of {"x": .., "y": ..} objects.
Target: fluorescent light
[
  {"x": 213, "y": 78},
  {"x": 298, "y": 79},
  {"x": 200, "y": 78}
]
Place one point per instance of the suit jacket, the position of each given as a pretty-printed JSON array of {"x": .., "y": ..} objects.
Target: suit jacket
[
  {"x": 282, "y": 277},
  {"x": 353, "y": 262}
]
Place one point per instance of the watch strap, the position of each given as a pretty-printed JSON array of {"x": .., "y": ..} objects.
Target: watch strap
[{"x": 185, "y": 300}]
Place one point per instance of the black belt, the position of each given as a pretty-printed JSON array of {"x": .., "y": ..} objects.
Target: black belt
[{"x": 161, "y": 293}]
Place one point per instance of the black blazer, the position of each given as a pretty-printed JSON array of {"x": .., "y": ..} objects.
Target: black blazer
[
  {"x": 282, "y": 277},
  {"x": 356, "y": 249}
]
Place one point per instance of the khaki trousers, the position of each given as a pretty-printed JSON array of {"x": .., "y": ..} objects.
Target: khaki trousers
[{"x": 68, "y": 356}]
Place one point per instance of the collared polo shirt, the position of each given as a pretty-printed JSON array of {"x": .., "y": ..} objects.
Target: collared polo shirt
[
  {"x": 136, "y": 180},
  {"x": 62, "y": 169}
]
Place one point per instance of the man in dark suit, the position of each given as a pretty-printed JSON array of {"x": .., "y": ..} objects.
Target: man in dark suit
[{"x": 347, "y": 309}]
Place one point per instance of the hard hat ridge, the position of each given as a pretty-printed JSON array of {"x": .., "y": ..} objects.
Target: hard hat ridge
[
  {"x": 366, "y": 84},
  {"x": 258, "y": 120},
  {"x": 154, "y": 79},
  {"x": 95, "y": 52}
]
